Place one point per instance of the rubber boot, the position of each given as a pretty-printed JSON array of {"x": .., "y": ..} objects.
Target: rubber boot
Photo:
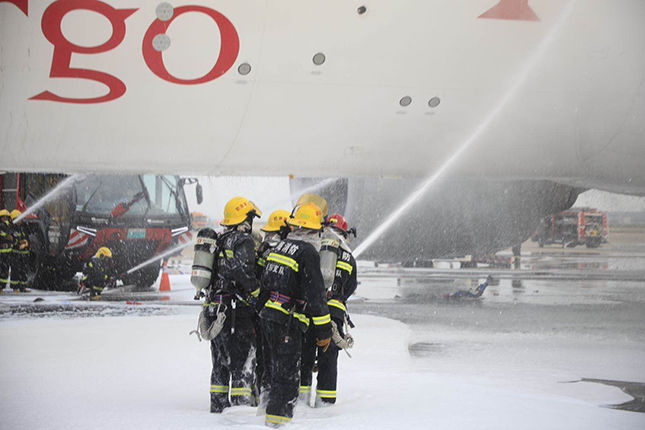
[{"x": 322, "y": 403}]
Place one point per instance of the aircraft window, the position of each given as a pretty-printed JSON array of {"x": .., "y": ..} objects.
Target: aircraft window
[
  {"x": 244, "y": 69},
  {"x": 434, "y": 102},
  {"x": 319, "y": 59},
  {"x": 405, "y": 101}
]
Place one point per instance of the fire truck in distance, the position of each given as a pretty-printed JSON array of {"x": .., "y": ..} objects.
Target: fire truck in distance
[
  {"x": 136, "y": 216},
  {"x": 577, "y": 226}
]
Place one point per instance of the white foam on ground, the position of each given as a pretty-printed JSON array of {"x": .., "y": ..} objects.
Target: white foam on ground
[{"x": 147, "y": 373}]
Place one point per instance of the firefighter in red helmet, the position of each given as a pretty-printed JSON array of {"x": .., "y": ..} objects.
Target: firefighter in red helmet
[{"x": 343, "y": 286}]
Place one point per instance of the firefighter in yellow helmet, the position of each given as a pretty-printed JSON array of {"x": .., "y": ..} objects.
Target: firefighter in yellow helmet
[
  {"x": 231, "y": 299},
  {"x": 6, "y": 246},
  {"x": 292, "y": 284},
  {"x": 98, "y": 274},
  {"x": 19, "y": 255},
  {"x": 275, "y": 230}
]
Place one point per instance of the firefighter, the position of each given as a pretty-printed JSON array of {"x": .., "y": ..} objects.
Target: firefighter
[
  {"x": 6, "y": 246},
  {"x": 293, "y": 284},
  {"x": 468, "y": 294},
  {"x": 343, "y": 286},
  {"x": 231, "y": 299},
  {"x": 19, "y": 255},
  {"x": 275, "y": 230},
  {"x": 98, "y": 273}
]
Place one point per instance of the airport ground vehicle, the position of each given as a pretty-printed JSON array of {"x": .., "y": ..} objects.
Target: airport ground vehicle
[
  {"x": 577, "y": 226},
  {"x": 136, "y": 216}
]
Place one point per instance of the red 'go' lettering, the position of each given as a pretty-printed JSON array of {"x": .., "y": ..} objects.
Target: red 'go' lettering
[
  {"x": 230, "y": 46},
  {"x": 63, "y": 48}
]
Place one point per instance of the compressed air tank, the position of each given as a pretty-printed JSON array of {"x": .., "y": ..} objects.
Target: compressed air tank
[
  {"x": 203, "y": 262},
  {"x": 329, "y": 247}
]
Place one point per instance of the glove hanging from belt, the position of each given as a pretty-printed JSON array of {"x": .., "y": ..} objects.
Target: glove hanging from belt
[
  {"x": 341, "y": 342},
  {"x": 208, "y": 329}
]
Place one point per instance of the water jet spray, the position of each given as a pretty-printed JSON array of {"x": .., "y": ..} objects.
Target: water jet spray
[
  {"x": 520, "y": 79},
  {"x": 51, "y": 194},
  {"x": 160, "y": 256}
]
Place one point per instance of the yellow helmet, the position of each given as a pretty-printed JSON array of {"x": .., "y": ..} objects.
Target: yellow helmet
[
  {"x": 307, "y": 216},
  {"x": 277, "y": 220},
  {"x": 103, "y": 251},
  {"x": 15, "y": 214},
  {"x": 315, "y": 199},
  {"x": 237, "y": 210},
  {"x": 5, "y": 212}
]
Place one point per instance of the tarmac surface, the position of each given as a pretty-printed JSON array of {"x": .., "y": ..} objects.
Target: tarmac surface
[
  {"x": 573, "y": 310},
  {"x": 574, "y": 315}
]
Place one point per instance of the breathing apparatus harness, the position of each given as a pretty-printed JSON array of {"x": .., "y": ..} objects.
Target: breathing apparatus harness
[{"x": 212, "y": 287}]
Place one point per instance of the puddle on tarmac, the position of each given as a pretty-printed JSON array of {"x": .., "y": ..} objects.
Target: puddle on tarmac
[
  {"x": 425, "y": 349},
  {"x": 634, "y": 389}
]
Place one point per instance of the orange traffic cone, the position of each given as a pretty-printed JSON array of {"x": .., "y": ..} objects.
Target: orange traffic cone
[{"x": 164, "y": 285}]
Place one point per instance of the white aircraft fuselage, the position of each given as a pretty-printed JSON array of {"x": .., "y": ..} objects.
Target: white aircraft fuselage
[{"x": 536, "y": 88}]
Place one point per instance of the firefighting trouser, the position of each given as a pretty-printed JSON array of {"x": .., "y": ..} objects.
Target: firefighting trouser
[
  {"x": 96, "y": 289},
  {"x": 307, "y": 363},
  {"x": 283, "y": 347},
  {"x": 260, "y": 364},
  {"x": 19, "y": 269},
  {"x": 327, "y": 366},
  {"x": 233, "y": 372},
  {"x": 5, "y": 263}
]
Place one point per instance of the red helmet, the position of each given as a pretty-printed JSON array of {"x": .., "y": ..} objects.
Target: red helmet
[{"x": 337, "y": 220}]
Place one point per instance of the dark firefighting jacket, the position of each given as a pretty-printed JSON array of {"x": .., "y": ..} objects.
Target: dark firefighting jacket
[
  {"x": 236, "y": 284},
  {"x": 98, "y": 273},
  {"x": 6, "y": 238},
  {"x": 20, "y": 242},
  {"x": 345, "y": 283},
  {"x": 293, "y": 287},
  {"x": 236, "y": 264}
]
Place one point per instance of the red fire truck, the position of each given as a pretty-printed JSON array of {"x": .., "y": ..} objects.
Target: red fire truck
[
  {"x": 136, "y": 216},
  {"x": 577, "y": 226}
]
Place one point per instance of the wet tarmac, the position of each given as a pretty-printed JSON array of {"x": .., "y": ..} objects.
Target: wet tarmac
[
  {"x": 634, "y": 389},
  {"x": 562, "y": 311},
  {"x": 567, "y": 314}
]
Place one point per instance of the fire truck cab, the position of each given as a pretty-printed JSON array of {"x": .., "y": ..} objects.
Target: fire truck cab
[{"x": 136, "y": 216}]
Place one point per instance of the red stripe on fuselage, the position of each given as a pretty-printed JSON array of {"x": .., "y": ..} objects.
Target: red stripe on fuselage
[{"x": 518, "y": 10}]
